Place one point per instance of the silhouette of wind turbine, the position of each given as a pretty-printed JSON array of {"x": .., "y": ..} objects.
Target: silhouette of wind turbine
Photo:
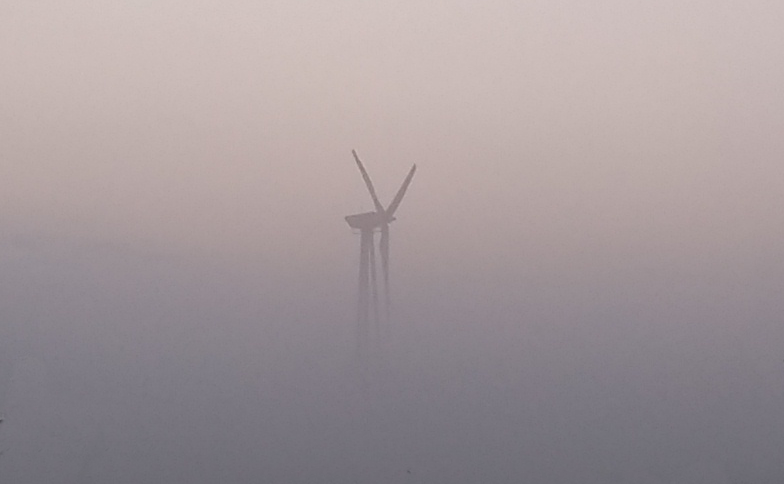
[{"x": 367, "y": 223}]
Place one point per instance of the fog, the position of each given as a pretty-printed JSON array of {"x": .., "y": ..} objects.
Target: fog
[{"x": 586, "y": 270}]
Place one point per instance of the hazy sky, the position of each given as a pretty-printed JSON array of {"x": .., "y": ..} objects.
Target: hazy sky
[{"x": 596, "y": 218}]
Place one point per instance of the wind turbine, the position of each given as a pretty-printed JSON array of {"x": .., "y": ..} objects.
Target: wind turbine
[{"x": 367, "y": 223}]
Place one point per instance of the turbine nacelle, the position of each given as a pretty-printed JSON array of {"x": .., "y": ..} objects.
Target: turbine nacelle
[{"x": 368, "y": 220}]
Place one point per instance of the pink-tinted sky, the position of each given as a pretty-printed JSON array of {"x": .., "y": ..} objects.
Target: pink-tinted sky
[{"x": 551, "y": 126}]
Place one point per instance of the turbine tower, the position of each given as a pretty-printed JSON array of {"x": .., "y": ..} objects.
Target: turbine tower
[{"x": 368, "y": 223}]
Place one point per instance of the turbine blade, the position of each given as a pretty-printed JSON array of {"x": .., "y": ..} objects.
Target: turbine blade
[
  {"x": 399, "y": 197},
  {"x": 366, "y": 177},
  {"x": 384, "y": 248}
]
